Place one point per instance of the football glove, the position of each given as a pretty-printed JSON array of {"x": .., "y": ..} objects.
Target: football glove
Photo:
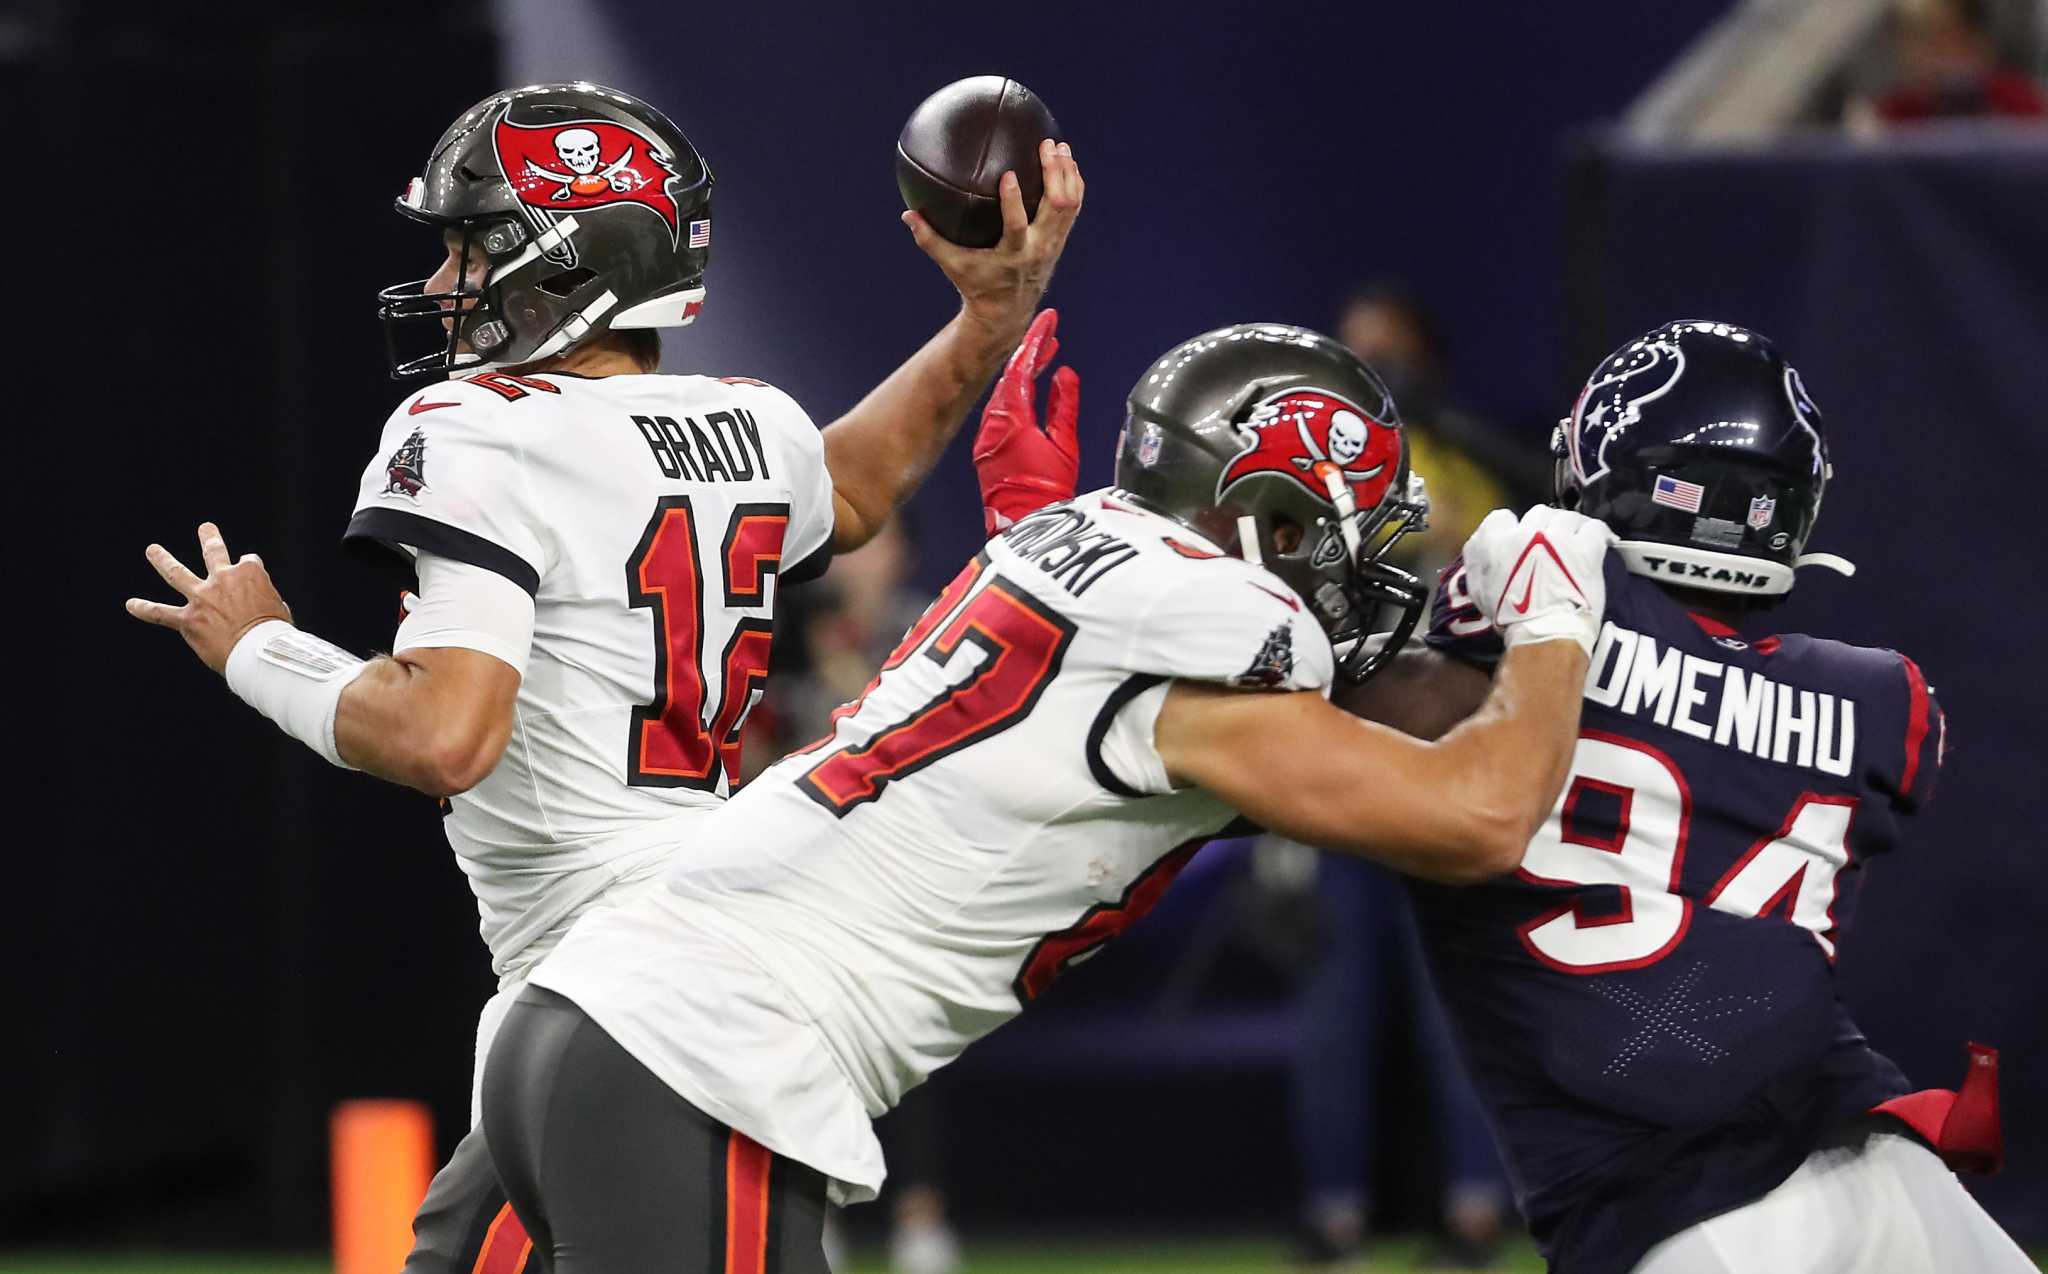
[
  {"x": 1540, "y": 577},
  {"x": 1024, "y": 466}
]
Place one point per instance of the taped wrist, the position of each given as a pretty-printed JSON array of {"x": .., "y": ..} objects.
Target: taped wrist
[
  {"x": 296, "y": 680},
  {"x": 1582, "y": 626}
]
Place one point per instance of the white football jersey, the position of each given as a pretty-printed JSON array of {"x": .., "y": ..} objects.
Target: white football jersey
[
  {"x": 987, "y": 815},
  {"x": 650, "y": 517}
]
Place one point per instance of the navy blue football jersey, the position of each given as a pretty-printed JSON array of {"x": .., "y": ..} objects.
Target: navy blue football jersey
[{"x": 1648, "y": 1006}]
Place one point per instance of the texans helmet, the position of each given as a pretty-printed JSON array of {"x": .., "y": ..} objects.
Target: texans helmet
[
  {"x": 592, "y": 212},
  {"x": 1699, "y": 445},
  {"x": 1282, "y": 445}
]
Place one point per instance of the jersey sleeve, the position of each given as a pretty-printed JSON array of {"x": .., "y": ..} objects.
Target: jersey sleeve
[
  {"x": 788, "y": 428},
  {"x": 1223, "y": 622},
  {"x": 466, "y": 607},
  {"x": 1909, "y": 765},
  {"x": 1456, "y": 626},
  {"x": 450, "y": 478},
  {"x": 1218, "y": 621}
]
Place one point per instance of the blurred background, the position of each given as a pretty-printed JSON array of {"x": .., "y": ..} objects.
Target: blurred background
[{"x": 219, "y": 937}]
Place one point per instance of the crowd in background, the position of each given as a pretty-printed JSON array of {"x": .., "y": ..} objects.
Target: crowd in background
[{"x": 1941, "y": 60}]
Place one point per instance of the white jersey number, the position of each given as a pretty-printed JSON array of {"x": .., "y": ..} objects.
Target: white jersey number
[{"x": 1641, "y": 849}]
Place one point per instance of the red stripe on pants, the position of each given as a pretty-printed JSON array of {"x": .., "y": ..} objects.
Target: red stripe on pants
[
  {"x": 506, "y": 1246},
  {"x": 746, "y": 1205}
]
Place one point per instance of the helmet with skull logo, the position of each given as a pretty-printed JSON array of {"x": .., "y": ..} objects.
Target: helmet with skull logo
[
  {"x": 590, "y": 211},
  {"x": 1281, "y": 444}
]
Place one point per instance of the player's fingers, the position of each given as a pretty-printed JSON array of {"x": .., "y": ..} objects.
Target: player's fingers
[
  {"x": 1015, "y": 220},
  {"x": 252, "y": 560},
  {"x": 155, "y": 612},
  {"x": 922, "y": 233},
  {"x": 213, "y": 549},
  {"x": 1030, "y": 356},
  {"x": 1063, "y": 409},
  {"x": 171, "y": 569},
  {"x": 1063, "y": 186}
]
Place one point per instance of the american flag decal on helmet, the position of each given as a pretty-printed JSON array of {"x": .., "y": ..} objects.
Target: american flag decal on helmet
[
  {"x": 700, "y": 233},
  {"x": 1678, "y": 494}
]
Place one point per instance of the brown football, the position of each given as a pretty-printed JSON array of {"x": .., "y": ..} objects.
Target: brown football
[{"x": 956, "y": 147}]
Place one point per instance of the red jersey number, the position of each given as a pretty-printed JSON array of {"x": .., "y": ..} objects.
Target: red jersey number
[{"x": 670, "y": 744}]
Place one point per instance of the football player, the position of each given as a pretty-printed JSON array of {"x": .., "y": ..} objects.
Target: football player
[
  {"x": 1647, "y": 1004},
  {"x": 597, "y": 548},
  {"x": 1113, "y": 680}
]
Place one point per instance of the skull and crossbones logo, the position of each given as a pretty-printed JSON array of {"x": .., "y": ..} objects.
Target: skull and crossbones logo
[
  {"x": 1347, "y": 437},
  {"x": 587, "y": 173}
]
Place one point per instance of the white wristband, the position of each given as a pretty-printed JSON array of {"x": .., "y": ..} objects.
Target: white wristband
[
  {"x": 1582, "y": 626},
  {"x": 295, "y": 679}
]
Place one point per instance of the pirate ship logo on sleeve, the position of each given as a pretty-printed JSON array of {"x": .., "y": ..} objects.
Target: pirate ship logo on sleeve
[{"x": 406, "y": 471}]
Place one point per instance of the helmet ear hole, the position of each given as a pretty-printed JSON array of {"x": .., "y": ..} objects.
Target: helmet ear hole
[
  {"x": 1287, "y": 534},
  {"x": 567, "y": 281},
  {"x": 1564, "y": 493}
]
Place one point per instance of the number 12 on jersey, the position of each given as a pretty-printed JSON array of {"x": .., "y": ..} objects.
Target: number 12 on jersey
[{"x": 670, "y": 745}]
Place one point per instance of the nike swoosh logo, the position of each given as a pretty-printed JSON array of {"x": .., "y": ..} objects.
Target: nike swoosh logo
[
  {"x": 1522, "y": 607},
  {"x": 1536, "y": 541},
  {"x": 1292, "y": 604},
  {"x": 419, "y": 407}
]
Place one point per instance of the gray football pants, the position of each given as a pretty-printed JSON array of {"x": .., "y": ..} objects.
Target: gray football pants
[{"x": 612, "y": 1173}]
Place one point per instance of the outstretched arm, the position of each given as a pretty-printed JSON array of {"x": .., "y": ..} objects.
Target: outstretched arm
[
  {"x": 1461, "y": 808},
  {"x": 1458, "y": 810},
  {"x": 435, "y": 720},
  {"x": 880, "y": 450}
]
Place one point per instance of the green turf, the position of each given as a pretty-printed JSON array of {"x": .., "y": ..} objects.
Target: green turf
[{"x": 1009, "y": 1257}]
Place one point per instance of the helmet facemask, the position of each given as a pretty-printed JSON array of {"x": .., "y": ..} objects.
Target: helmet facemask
[
  {"x": 1341, "y": 567},
  {"x": 477, "y": 323}
]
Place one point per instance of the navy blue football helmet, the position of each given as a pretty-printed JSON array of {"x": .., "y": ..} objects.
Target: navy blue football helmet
[{"x": 1698, "y": 444}]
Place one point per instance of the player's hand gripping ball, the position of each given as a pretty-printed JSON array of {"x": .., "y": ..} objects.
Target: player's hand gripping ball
[
  {"x": 1540, "y": 577},
  {"x": 974, "y": 133}
]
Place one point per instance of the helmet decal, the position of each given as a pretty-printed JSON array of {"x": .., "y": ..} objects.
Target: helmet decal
[
  {"x": 1302, "y": 431},
  {"x": 1805, "y": 413},
  {"x": 592, "y": 163},
  {"x": 1613, "y": 400}
]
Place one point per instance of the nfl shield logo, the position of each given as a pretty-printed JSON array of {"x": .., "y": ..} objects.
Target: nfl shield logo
[
  {"x": 1761, "y": 510},
  {"x": 1148, "y": 445}
]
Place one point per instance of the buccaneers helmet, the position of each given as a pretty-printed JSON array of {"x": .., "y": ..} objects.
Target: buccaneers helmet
[
  {"x": 1281, "y": 444},
  {"x": 592, "y": 212},
  {"x": 1698, "y": 444}
]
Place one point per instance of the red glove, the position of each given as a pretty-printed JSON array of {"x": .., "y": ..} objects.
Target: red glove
[{"x": 1024, "y": 467}]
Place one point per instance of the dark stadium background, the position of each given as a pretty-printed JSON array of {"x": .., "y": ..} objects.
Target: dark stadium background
[{"x": 218, "y": 937}]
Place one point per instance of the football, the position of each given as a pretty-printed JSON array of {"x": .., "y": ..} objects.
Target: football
[{"x": 955, "y": 148}]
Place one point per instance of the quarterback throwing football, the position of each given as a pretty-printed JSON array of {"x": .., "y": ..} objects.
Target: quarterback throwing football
[{"x": 597, "y": 547}]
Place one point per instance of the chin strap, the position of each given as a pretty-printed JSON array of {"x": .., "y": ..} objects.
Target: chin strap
[
  {"x": 1827, "y": 561},
  {"x": 1248, "y": 540},
  {"x": 1346, "y": 505}
]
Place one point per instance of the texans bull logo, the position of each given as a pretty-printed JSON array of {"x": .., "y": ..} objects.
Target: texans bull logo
[
  {"x": 588, "y": 164},
  {"x": 1613, "y": 400},
  {"x": 1304, "y": 433}
]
